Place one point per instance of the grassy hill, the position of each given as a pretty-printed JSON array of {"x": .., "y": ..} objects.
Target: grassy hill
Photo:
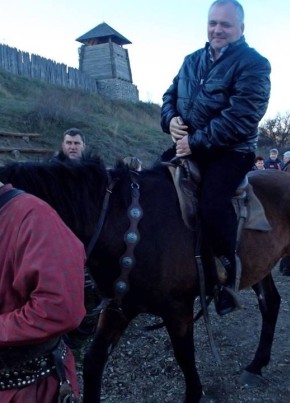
[{"x": 113, "y": 129}]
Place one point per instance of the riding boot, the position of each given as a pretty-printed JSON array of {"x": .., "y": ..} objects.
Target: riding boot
[{"x": 226, "y": 299}]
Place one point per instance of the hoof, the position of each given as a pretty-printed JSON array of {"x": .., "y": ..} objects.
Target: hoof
[
  {"x": 208, "y": 399},
  {"x": 250, "y": 379}
]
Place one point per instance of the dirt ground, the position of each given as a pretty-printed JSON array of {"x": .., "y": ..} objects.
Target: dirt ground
[{"x": 142, "y": 368}]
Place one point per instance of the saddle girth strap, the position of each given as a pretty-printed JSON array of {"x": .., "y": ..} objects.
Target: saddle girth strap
[{"x": 186, "y": 177}]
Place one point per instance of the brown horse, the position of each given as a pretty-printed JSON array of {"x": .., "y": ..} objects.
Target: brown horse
[{"x": 141, "y": 226}]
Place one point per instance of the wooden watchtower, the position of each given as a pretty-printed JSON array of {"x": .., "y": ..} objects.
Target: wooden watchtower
[{"x": 103, "y": 57}]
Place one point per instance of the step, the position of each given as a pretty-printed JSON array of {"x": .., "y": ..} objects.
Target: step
[{"x": 14, "y": 134}]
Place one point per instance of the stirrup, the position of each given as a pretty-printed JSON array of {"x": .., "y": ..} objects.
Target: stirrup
[
  {"x": 222, "y": 271},
  {"x": 222, "y": 305},
  {"x": 235, "y": 297}
]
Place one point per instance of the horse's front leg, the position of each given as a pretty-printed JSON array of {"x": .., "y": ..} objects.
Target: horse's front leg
[
  {"x": 111, "y": 325},
  {"x": 180, "y": 329},
  {"x": 269, "y": 304}
]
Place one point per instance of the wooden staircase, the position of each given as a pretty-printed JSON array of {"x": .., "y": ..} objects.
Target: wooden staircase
[{"x": 16, "y": 146}]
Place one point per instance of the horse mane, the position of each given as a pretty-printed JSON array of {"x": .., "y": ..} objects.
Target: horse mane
[
  {"x": 65, "y": 185},
  {"x": 76, "y": 188}
]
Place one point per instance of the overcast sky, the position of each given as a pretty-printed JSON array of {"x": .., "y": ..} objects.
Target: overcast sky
[{"x": 162, "y": 32}]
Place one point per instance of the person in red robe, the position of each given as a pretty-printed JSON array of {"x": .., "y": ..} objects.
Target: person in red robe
[{"x": 42, "y": 298}]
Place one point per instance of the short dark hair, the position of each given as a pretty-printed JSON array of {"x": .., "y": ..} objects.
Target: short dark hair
[
  {"x": 259, "y": 158},
  {"x": 73, "y": 131}
]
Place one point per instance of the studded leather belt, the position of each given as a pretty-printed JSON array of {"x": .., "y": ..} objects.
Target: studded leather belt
[{"x": 28, "y": 371}]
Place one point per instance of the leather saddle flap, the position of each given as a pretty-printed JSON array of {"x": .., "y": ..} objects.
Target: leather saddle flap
[
  {"x": 256, "y": 217},
  {"x": 186, "y": 178}
]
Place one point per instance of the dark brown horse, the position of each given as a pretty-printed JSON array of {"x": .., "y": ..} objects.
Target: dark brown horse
[{"x": 163, "y": 277}]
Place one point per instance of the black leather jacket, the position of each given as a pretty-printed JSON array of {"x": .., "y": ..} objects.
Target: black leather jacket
[{"x": 221, "y": 102}]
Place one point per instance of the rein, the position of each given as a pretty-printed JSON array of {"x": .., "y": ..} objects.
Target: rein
[
  {"x": 109, "y": 190},
  {"x": 131, "y": 238}
]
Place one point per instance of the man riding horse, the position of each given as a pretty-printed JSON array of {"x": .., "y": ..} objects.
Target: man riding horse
[{"x": 212, "y": 111}]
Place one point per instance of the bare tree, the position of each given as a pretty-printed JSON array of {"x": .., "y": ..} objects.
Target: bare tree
[{"x": 275, "y": 132}]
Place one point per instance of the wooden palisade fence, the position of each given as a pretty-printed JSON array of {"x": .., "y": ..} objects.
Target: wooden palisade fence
[{"x": 37, "y": 67}]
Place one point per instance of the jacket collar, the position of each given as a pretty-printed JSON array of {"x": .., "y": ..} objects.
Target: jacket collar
[{"x": 231, "y": 45}]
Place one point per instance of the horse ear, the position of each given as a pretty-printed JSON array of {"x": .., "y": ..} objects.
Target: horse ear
[{"x": 120, "y": 164}]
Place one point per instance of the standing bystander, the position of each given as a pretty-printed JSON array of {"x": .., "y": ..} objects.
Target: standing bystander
[
  {"x": 286, "y": 161},
  {"x": 73, "y": 148},
  {"x": 273, "y": 162},
  {"x": 73, "y": 145},
  {"x": 259, "y": 163},
  {"x": 285, "y": 261},
  {"x": 41, "y": 285}
]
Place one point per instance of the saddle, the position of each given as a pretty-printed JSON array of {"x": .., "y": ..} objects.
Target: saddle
[
  {"x": 186, "y": 178},
  {"x": 249, "y": 210}
]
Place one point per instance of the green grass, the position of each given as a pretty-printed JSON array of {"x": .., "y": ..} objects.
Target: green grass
[{"x": 113, "y": 129}]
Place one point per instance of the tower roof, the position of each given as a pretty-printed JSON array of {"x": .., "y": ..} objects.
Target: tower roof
[{"x": 103, "y": 32}]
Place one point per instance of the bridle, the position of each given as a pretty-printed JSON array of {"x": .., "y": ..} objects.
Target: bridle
[
  {"x": 109, "y": 190},
  {"x": 131, "y": 238}
]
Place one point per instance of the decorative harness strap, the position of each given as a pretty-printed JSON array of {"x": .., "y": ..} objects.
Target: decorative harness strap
[{"x": 131, "y": 238}]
